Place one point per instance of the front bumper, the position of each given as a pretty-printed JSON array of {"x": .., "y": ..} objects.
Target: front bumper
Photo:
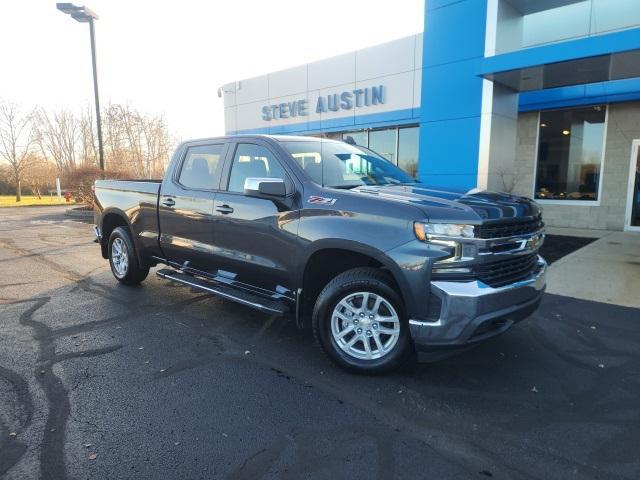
[{"x": 473, "y": 311}]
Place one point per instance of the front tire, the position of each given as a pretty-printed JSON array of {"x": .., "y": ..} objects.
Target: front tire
[
  {"x": 360, "y": 323},
  {"x": 123, "y": 259}
]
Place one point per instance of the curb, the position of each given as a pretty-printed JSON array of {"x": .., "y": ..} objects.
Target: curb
[
  {"x": 79, "y": 212},
  {"x": 577, "y": 252}
]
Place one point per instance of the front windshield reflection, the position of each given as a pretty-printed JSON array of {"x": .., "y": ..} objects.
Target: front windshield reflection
[{"x": 340, "y": 165}]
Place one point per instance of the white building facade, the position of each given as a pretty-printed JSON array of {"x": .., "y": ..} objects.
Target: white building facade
[{"x": 484, "y": 98}]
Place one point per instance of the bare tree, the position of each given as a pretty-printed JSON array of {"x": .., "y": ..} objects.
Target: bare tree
[
  {"x": 507, "y": 178},
  {"x": 40, "y": 174},
  {"x": 158, "y": 145},
  {"x": 132, "y": 123},
  {"x": 114, "y": 144},
  {"x": 135, "y": 142},
  {"x": 17, "y": 136},
  {"x": 57, "y": 135},
  {"x": 6, "y": 179},
  {"x": 87, "y": 139}
]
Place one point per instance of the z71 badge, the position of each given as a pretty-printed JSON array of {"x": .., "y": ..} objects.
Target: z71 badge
[{"x": 322, "y": 200}]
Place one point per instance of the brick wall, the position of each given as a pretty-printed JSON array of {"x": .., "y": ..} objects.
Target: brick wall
[{"x": 622, "y": 127}]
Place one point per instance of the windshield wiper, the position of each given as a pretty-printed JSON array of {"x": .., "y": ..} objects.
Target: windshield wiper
[{"x": 346, "y": 187}]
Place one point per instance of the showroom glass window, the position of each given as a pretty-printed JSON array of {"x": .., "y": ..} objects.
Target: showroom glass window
[
  {"x": 523, "y": 24},
  {"x": 570, "y": 151},
  {"x": 398, "y": 145},
  {"x": 383, "y": 142},
  {"x": 408, "y": 142},
  {"x": 360, "y": 138}
]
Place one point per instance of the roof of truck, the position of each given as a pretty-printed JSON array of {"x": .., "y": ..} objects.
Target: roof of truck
[{"x": 279, "y": 138}]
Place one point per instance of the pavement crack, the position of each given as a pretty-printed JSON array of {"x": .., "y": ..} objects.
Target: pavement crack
[
  {"x": 52, "y": 460},
  {"x": 21, "y": 388},
  {"x": 11, "y": 449},
  {"x": 85, "y": 353},
  {"x": 16, "y": 284},
  {"x": 42, "y": 259}
]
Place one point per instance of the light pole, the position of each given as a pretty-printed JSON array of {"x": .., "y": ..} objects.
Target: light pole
[{"x": 84, "y": 15}]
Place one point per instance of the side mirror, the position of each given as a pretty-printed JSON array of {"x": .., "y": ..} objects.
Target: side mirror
[{"x": 265, "y": 187}]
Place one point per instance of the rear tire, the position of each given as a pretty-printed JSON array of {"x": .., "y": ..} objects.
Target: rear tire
[
  {"x": 123, "y": 259},
  {"x": 360, "y": 323}
]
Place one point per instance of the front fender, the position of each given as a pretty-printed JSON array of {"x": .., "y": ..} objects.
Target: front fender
[{"x": 357, "y": 247}]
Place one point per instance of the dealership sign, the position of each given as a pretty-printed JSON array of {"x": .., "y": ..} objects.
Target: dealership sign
[{"x": 334, "y": 102}]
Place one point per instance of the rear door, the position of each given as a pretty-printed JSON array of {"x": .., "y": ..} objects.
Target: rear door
[
  {"x": 256, "y": 238},
  {"x": 186, "y": 203}
]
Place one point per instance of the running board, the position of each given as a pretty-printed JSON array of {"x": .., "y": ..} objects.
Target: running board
[{"x": 273, "y": 307}]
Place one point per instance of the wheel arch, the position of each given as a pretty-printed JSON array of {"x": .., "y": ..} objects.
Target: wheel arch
[
  {"x": 328, "y": 258},
  {"x": 111, "y": 219}
]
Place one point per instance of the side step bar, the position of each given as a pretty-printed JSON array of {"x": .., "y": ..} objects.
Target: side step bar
[{"x": 272, "y": 307}]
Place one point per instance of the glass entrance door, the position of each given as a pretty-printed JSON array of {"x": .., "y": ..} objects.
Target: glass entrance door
[{"x": 633, "y": 200}]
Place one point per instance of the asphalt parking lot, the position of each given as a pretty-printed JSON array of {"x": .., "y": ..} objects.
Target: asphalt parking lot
[{"x": 102, "y": 381}]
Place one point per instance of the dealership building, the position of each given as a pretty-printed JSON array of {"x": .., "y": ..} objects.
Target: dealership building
[{"x": 536, "y": 97}]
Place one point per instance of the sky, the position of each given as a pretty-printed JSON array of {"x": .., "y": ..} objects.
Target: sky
[{"x": 170, "y": 57}]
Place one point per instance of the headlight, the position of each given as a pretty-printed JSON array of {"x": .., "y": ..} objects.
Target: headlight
[{"x": 424, "y": 230}]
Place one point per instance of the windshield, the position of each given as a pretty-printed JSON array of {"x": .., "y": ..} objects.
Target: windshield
[{"x": 340, "y": 165}]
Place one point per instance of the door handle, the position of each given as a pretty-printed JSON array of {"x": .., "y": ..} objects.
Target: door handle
[
  {"x": 169, "y": 202},
  {"x": 224, "y": 209}
]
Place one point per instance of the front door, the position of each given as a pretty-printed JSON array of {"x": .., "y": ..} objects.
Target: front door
[
  {"x": 633, "y": 200},
  {"x": 256, "y": 238},
  {"x": 185, "y": 208}
]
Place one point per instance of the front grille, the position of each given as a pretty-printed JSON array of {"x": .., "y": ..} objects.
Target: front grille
[
  {"x": 509, "y": 229},
  {"x": 503, "y": 272}
]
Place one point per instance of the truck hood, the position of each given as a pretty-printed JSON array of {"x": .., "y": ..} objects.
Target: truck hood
[{"x": 474, "y": 206}]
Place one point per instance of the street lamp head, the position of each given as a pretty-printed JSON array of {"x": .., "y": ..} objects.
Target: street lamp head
[
  {"x": 67, "y": 8},
  {"x": 80, "y": 17},
  {"x": 89, "y": 13},
  {"x": 79, "y": 13}
]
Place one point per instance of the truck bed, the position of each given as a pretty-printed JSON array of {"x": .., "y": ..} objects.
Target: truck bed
[
  {"x": 139, "y": 185},
  {"x": 136, "y": 200}
]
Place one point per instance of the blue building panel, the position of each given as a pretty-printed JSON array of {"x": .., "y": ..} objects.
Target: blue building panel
[
  {"x": 454, "y": 65},
  {"x": 576, "y": 95},
  {"x": 454, "y": 91},
  {"x": 454, "y": 32},
  {"x": 454, "y": 165},
  {"x": 342, "y": 122},
  {"x": 436, "y": 4},
  {"x": 451, "y": 99}
]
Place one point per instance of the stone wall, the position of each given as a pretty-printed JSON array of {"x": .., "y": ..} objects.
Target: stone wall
[{"x": 623, "y": 126}]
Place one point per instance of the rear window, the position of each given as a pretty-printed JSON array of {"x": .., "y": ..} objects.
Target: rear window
[
  {"x": 201, "y": 167},
  {"x": 253, "y": 161}
]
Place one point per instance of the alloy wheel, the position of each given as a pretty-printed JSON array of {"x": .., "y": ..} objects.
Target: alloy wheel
[
  {"x": 365, "y": 325},
  {"x": 119, "y": 257}
]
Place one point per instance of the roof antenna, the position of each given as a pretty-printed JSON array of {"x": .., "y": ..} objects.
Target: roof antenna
[{"x": 349, "y": 139}]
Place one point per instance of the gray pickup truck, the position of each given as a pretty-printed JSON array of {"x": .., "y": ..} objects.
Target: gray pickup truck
[{"x": 334, "y": 236}]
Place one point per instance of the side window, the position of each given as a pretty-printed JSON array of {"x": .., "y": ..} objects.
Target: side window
[
  {"x": 253, "y": 161},
  {"x": 201, "y": 167}
]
